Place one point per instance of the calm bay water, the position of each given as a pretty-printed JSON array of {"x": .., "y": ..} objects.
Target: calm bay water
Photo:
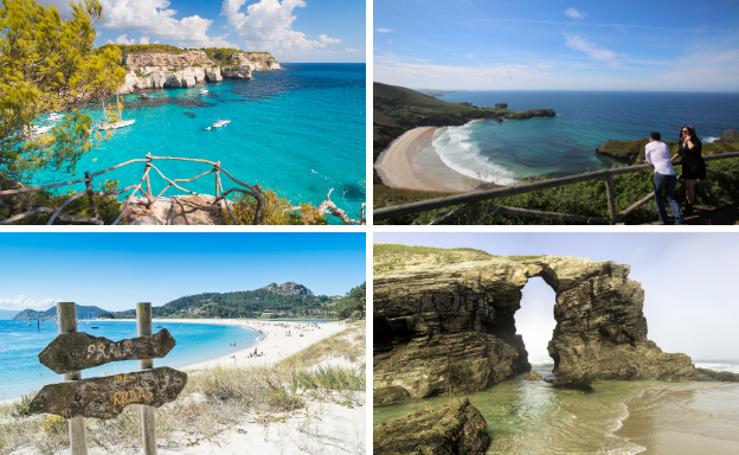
[
  {"x": 620, "y": 417},
  {"x": 506, "y": 152},
  {"x": 298, "y": 132},
  {"x": 20, "y": 344}
]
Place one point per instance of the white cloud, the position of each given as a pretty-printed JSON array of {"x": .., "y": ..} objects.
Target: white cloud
[
  {"x": 268, "y": 25},
  {"x": 327, "y": 39},
  {"x": 572, "y": 13},
  {"x": 383, "y": 30},
  {"x": 21, "y": 302},
  {"x": 593, "y": 51},
  {"x": 155, "y": 18},
  {"x": 123, "y": 39}
]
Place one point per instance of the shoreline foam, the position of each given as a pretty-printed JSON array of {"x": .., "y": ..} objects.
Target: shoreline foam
[
  {"x": 273, "y": 342},
  {"x": 400, "y": 166}
]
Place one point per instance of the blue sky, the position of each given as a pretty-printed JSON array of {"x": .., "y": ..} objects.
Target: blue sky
[
  {"x": 558, "y": 45},
  {"x": 114, "y": 271},
  {"x": 690, "y": 282},
  {"x": 293, "y": 30}
]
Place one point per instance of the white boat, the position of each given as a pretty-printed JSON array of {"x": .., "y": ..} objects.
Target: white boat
[
  {"x": 55, "y": 116},
  {"x": 37, "y": 130},
  {"x": 115, "y": 125},
  {"x": 219, "y": 124},
  {"x": 203, "y": 91}
]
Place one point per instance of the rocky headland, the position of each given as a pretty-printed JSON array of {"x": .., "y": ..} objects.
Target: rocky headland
[
  {"x": 399, "y": 109},
  {"x": 632, "y": 152},
  {"x": 444, "y": 323},
  {"x": 175, "y": 68},
  {"x": 453, "y": 428}
]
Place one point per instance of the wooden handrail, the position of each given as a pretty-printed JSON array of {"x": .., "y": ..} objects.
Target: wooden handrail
[
  {"x": 56, "y": 213},
  {"x": 484, "y": 195}
]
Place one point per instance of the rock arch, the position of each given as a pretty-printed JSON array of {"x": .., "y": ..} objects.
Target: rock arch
[{"x": 444, "y": 322}]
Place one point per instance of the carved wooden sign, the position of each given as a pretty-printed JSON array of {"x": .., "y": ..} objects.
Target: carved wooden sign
[
  {"x": 106, "y": 397},
  {"x": 78, "y": 350}
]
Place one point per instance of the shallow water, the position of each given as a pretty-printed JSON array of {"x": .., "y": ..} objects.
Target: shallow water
[
  {"x": 620, "y": 417},
  {"x": 20, "y": 344},
  {"x": 506, "y": 152},
  {"x": 298, "y": 132}
]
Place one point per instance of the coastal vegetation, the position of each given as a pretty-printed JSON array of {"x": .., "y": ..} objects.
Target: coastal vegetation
[
  {"x": 50, "y": 69},
  {"x": 286, "y": 300},
  {"x": 718, "y": 196},
  {"x": 397, "y": 110},
  {"x": 214, "y": 401},
  {"x": 48, "y": 63},
  {"x": 127, "y": 49}
]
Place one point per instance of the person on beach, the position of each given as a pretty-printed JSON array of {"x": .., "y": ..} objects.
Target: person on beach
[
  {"x": 690, "y": 151},
  {"x": 657, "y": 153}
]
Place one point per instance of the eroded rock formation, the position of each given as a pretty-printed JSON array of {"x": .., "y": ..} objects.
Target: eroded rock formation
[
  {"x": 444, "y": 322},
  {"x": 189, "y": 68},
  {"x": 454, "y": 428}
]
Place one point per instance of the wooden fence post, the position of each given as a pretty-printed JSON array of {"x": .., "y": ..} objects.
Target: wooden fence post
[
  {"x": 68, "y": 324},
  {"x": 143, "y": 324},
  {"x": 611, "y": 192}
]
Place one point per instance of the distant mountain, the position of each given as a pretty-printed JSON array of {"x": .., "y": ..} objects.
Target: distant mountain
[
  {"x": 7, "y": 314},
  {"x": 286, "y": 300},
  {"x": 83, "y": 312}
]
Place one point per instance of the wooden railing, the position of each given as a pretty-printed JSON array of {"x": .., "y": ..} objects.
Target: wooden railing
[
  {"x": 607, "y": 175},
  {"x": 144, "y": 189}
]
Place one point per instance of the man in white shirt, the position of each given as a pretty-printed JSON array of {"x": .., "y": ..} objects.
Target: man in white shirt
[{"x": 657, "y": 153}]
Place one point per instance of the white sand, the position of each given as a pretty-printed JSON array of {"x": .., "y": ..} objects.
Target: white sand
[
  {"x": 397, "y": 166},
  {"x": 273, "y": 345},
  {"x": 321, "y": 427}
]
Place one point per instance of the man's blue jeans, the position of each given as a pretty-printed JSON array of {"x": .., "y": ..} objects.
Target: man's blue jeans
[{"x": 664, "y": 186}]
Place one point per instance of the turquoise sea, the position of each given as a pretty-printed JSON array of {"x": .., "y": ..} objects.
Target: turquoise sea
[
  {"x": 298, "y": 132},
  {"x": 504, "y": 153},
  {"x": 21, "y": 342}
]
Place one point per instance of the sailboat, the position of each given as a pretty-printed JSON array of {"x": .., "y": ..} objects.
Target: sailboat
[
  {"x": 117, "y": 124},
  {"x": 218, "y": 124}
]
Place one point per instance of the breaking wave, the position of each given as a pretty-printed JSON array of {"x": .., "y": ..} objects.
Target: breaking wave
[{"x": 457, "y": 150}]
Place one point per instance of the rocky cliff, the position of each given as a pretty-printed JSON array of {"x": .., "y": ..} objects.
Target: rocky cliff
[
  {"x": 456, "y": 427},
  {"x": 444, "y": 322},
  {"x": 149, "y": 70}
]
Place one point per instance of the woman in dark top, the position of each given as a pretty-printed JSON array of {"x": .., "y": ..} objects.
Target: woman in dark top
[{"x": 694, "y": 168}]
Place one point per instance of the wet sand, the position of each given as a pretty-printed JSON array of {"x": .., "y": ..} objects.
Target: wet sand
[{"x": 410, "y": 164}]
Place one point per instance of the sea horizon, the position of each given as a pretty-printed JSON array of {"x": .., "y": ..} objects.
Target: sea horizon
[{"x": 514, "y": 150}]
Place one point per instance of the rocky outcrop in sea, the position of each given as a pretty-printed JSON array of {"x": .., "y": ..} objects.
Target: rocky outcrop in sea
[
  {"x": 453, "y": 428},
  {"x": 444, "y": 322},
  {"x": 187, "y": 69}
]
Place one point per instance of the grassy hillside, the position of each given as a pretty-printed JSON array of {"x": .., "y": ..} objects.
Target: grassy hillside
[
  {"x": 287, "y": 300},
  {"x": 398, "y": 109},
  {"x": 632, "y": 152},
  {"x": 718, "y": 201}
]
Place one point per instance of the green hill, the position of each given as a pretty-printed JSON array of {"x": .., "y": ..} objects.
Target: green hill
[
  {"x": 286, "y": 300},
  {"x": 397, "y": 110},
  {"x": 83, "y": 312}
]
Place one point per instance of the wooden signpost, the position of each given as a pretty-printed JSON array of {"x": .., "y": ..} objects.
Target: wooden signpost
[{"x": 106, "y": 397}]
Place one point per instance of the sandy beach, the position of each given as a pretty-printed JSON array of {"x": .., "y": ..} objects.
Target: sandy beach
[
  {"x": 410, "y": 164},
  {"x": 323, "y": 425},
  {"x": 278, "y": 340}
]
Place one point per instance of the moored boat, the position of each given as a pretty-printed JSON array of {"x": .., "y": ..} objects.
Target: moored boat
[{"x": 218, "y": 124}]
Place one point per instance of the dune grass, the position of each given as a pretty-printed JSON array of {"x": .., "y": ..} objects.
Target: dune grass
[{"x": 213, "y": 401}]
